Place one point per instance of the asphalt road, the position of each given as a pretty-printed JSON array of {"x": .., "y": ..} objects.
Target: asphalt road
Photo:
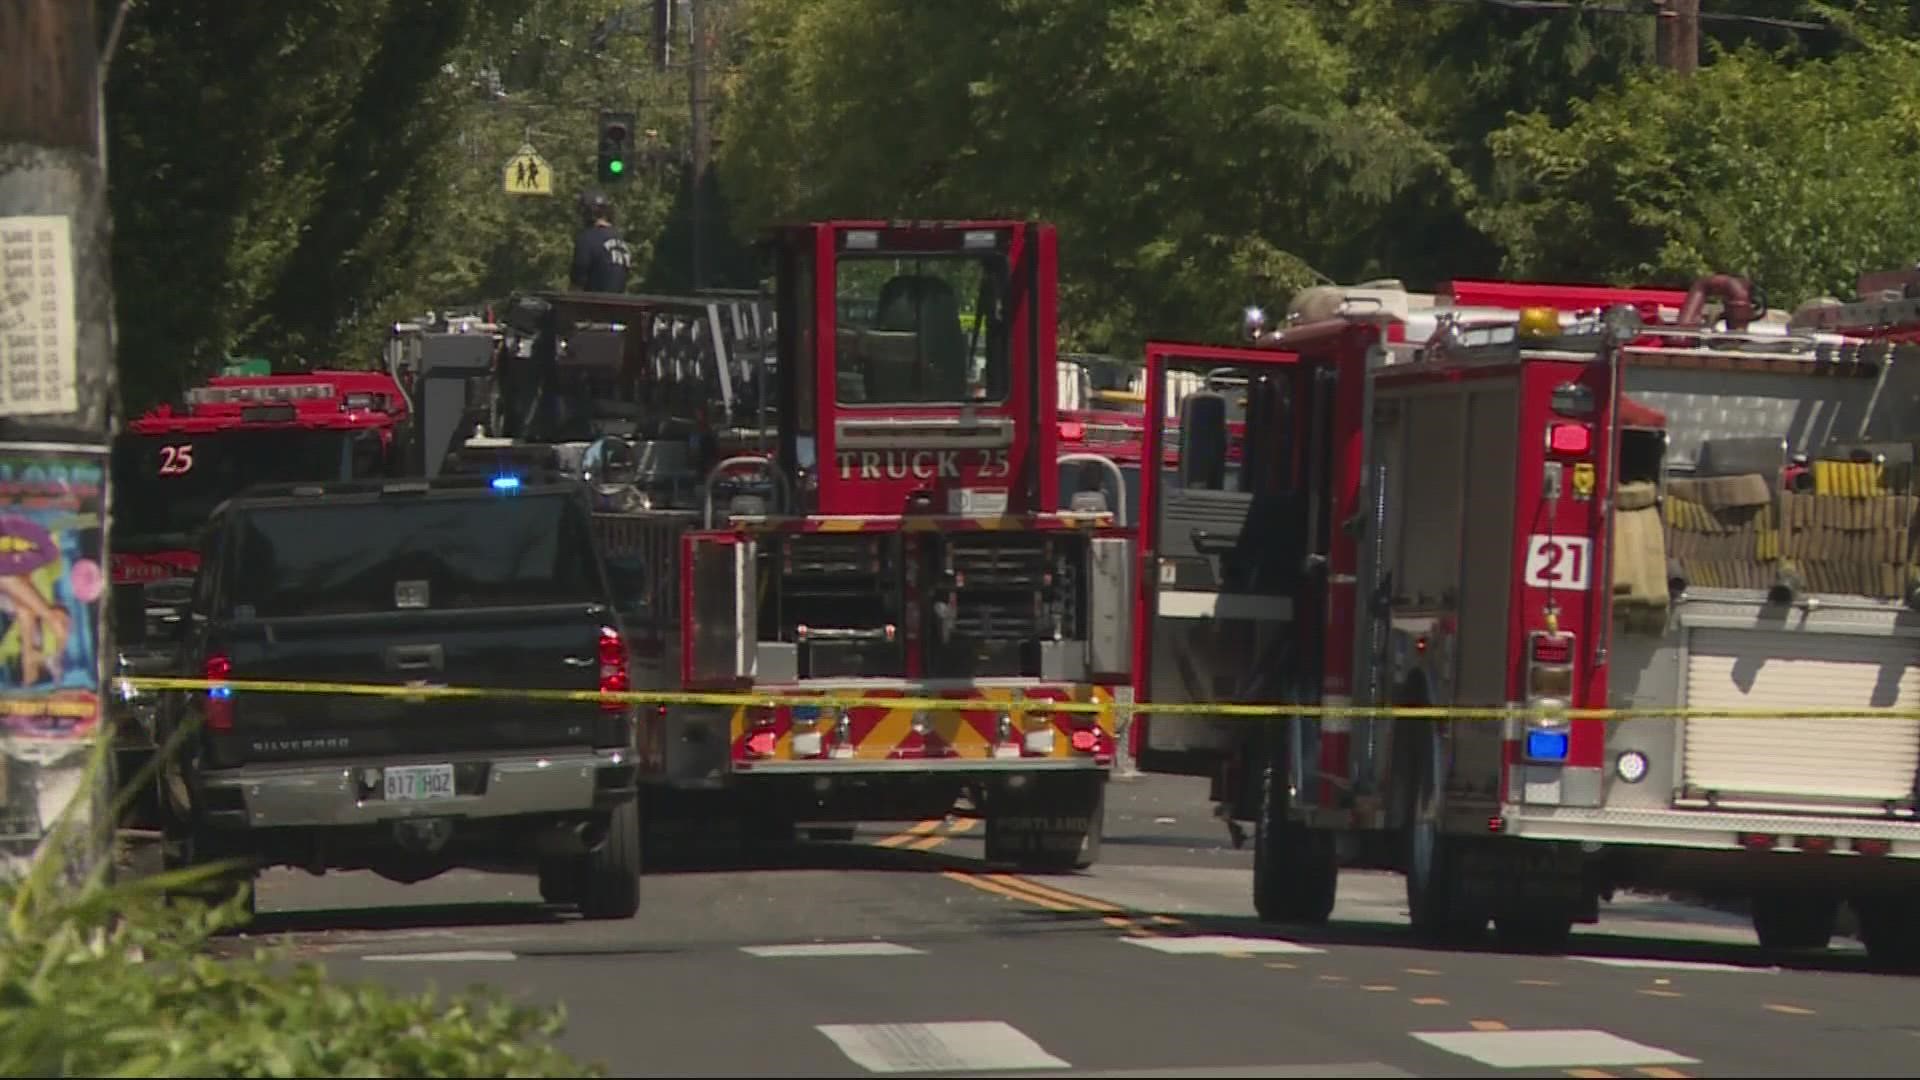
[{"x": 902, "y": 953}]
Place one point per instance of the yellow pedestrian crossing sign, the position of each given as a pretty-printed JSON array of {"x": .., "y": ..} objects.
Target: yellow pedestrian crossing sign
[{"x": 527, "y": 173}]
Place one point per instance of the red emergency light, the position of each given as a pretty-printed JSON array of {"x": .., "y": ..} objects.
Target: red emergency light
[{"x": 1574, "y": 439}]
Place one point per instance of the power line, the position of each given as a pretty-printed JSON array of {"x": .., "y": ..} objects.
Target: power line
[{"x": 1650, "y": 8}]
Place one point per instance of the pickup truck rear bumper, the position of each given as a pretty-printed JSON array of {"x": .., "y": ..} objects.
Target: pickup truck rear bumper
[{"x": 487, "y": 785}]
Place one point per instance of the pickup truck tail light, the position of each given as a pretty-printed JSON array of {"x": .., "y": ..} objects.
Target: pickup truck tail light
[
  {"x": 219, "y": 698},
  {"x": 613, "y": 668}
]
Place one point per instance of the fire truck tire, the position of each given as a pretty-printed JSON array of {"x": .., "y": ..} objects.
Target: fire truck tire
[
  {"x": 1889, "y": 931},
  {"x": 610, "y": 881},
  {"x": 1435, "y": 900},
  {"x": 1547, "y": 930},
  {"x": 1296, "y": 872},
  {"x": 559, "y": 881},
  {"x": 1788, "y": 921},
  {"x": 830, "y": 833}
]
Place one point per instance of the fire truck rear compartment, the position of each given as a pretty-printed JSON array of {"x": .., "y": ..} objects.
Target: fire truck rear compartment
[{"x": 974, "y": 605}]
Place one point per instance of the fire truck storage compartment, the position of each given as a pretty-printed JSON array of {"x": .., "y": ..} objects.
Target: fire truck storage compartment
[
  {"x": 1448, "y": 463},
  {"x": 1864, "y": 764},
  {"x": 997, "y": 600},
  {"x": 839, "y": 603}
]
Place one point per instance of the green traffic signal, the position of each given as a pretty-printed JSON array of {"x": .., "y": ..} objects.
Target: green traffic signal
[{"x": 616, "y": 166}]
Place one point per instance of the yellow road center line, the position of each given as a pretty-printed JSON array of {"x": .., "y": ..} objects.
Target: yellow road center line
[
  {"x": 1596, "y": 1073},
  {"x": 927, "y": 843},
  {"x": 920, "y": 829},
  {"x": 1488, "y": 1025},
  {"x": 1087, "y": 903},
  {"x": 1662, "y": 1072},
  {"x": 1000, "y": 890}
]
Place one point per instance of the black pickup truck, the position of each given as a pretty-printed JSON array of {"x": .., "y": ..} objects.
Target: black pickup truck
[{"x": 461, "y": 581}]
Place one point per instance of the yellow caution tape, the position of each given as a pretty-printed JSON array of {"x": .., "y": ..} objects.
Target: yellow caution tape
[{"x": 828, "y": 700}]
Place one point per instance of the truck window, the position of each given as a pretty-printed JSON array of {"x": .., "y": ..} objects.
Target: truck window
[
  {"x": 921, "y": 329},
  {"x": 338, "y": 558}
]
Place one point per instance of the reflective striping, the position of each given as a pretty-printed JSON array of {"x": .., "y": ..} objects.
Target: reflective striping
[
  {"x": 951, "y": 1046},
  {"x": 1196, "y": 604},
  {"x": 830, "y": 949},
  {"x": 1552, "y": 1049},
  {"x": 882, "y": 730}
]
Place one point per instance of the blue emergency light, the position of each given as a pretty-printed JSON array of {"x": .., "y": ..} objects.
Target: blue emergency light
[
  {"x": 506, "y": 483},
  {"x": 1548, "y": 745}
]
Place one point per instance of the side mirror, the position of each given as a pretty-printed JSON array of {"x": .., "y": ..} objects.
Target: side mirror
[{"x": 1203, "y": 440}]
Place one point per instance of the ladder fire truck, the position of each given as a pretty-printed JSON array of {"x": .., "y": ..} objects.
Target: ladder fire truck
[
  {"x": 1526, "y": 499},
  {"x": 869, "y": 513},
  {"x": 173, "y": 465}
]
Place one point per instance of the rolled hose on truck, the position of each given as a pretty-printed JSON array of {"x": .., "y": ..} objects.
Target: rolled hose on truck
[{"x": 1212, "y": 709}]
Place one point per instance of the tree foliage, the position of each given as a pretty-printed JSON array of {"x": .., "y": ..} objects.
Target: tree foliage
[
  {"x": 99, "y": 978},
  {"x": 286, "y": 182},
  {"x": 1799, "y": 175},
  {"x": 288, "y": 179},
  {"x": 1197, "y": 154}
]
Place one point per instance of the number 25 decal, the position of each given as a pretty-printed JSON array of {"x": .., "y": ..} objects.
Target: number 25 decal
[
  {"x": 176, "y": 460},
  {"x": 995, "y": 465},
  {"x": 1558, "y": 562}
]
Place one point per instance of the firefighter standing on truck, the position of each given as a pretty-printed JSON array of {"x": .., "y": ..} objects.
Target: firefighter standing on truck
[{"x": 600, "y": 257}]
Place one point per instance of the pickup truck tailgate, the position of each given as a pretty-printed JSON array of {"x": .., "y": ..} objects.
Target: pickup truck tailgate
[
  {"x": 446, "y": 589},
  {"x": 537, "y": 648}
]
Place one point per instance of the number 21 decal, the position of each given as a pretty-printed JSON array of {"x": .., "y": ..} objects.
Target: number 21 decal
[
  {"x": 176, "y": 460},
  {"x": 1558, "y": 562}
]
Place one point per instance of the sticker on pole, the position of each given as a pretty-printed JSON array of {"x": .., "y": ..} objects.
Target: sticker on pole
[
  {"x": 38, "y": 336},
  {"x": 1559, "y": 562}
]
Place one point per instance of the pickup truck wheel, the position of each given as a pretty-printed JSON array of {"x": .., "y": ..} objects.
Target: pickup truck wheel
[
  {"x": 182, "y": 848},
  {"x": 611, "y": 885},
  {"x": 559, "y": 881}
]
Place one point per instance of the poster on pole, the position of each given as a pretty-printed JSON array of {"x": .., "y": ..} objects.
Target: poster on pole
[{"x": 52, "y": 536}]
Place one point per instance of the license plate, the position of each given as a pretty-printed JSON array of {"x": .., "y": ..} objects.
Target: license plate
[{"x": 413, "y": 783}]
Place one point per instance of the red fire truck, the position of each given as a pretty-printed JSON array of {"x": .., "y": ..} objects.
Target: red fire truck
[
  {"x": 172, "y": 466},
  {"x": 895, "y": 534},
  {"x": 1526, "y": 499}
]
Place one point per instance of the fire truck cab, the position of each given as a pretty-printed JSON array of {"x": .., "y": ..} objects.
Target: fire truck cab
[
  {"x": 1528, "y": 500},
  {"x": 874, "y": 515},
  {"x": 173, "y": 466}
]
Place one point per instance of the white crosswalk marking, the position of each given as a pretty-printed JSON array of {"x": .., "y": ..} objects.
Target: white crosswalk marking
[
  {"x": 939, "y": 1047},
  {"x": 1215, "y": 944},
  {"x": 832, "y": 948},
  {"x": 1672, "y": 965},
  {"x": 1552, "y": 1049},
  {"x": 470, "y": 956}
]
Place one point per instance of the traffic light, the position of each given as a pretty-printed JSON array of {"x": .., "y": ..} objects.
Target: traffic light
[{"x": 616, "y": 146}]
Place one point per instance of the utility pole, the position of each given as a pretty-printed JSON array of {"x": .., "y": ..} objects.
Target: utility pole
[
  {"x": 1676, "y": 36},
  {"x": 57, "y": 393},
  {"x": 697, "y": 108}
]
